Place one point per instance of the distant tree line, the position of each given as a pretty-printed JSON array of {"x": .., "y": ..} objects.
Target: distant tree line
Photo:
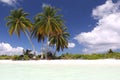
[{"x": 27, "y": 55}]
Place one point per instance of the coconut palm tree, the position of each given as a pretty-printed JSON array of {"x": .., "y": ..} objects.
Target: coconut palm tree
[
  {"x": 18, "y": 22},
  {"x": 60, "y": 40},
  {"x": 38, "y": 32},
  {"x": 48, "y": 22}
]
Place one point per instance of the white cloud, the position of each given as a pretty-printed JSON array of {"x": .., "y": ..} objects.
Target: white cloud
[
  {"x": 104, "y": 10},
  {"x": 9, "y": 2},
  {"x": 71, "y": 45},
  {"x": 106, "y": 34},
  {"x": 7, "y": 49}
]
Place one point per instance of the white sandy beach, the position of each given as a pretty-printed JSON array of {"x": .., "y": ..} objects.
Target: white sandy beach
[
  {"x": 107, "y": 69},
  {"x": 81, "y": 62}
]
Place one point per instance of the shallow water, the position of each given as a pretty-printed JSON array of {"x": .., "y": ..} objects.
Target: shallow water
[{"x": 59, "y": 72}]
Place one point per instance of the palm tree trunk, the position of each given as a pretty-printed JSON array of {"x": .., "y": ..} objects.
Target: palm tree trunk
[
  {"x": 47, "y": 47},
  {"x": 30, "y": 42},
  {"x": 42, "y": 51},
  {"x": 55, "y": 53}
]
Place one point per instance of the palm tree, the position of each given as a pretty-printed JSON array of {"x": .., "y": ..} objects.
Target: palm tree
[
  {"x": 60, "y": 40},
  {"x": 38, "y": 32},
  {"x": 18, "y": 22},
  {"x": 48, "y": 22}
]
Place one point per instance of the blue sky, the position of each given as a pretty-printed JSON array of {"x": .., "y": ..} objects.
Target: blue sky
[{"x": 85, "y": 20}]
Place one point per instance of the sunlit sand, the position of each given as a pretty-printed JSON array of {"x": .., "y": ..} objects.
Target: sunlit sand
[{"x": 82, "y": 62}]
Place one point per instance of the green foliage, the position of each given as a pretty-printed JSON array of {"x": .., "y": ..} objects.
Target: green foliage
[
  {"x": 67, "y": 56},
  {"x": 50, "y": 55},
  {"x": 20, "y": 57},
  {"x": 60, "y": 40},
  {"x": 26, "y": 57},
  {"x": 114, "y": 55},
  {"x": 93, "y": 56},
  {"x": 3, "y": 57},
  {"x": 110, "y": 51},
  {"x": 28, "y": 53},
  {"x": 16, "y": 57},
  {"x": 38, "y": 57},
  {"x": 17, "y": 21},
  {"x": 49, "y": 24},
  {"x": 90, "y": 56}
]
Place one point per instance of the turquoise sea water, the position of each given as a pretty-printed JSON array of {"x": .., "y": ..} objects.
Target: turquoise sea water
[{"x": 58, "y": 72}]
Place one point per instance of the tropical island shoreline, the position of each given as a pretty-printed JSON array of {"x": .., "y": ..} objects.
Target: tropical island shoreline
[{"x": 65, "y": 62}]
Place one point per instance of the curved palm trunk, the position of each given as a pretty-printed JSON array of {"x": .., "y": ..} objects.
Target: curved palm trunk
[
  {"x": 42, "y": 51},
  {"x": 55, "y": 53},
  {"x": 30, "y": 42},
  {"x": 47, "y": 48}
]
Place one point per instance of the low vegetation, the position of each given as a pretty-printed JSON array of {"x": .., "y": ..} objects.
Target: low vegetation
[
  {"x": 114, "y": 55},
  {"x": 27, "y": 55},
  {"x": 5, "y": 57}
]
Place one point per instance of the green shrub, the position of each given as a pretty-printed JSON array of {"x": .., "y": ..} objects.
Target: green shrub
[
  {"x": 90, "y": 56},
  {"x": 26, "y": 57},
  {"x": 110, "y": 51},
  {"x": 5, "y": 57},
  {"x": 16, "y": 57}
]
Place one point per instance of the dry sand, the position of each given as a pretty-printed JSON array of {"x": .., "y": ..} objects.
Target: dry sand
[{"x": 81, "y": 62}]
